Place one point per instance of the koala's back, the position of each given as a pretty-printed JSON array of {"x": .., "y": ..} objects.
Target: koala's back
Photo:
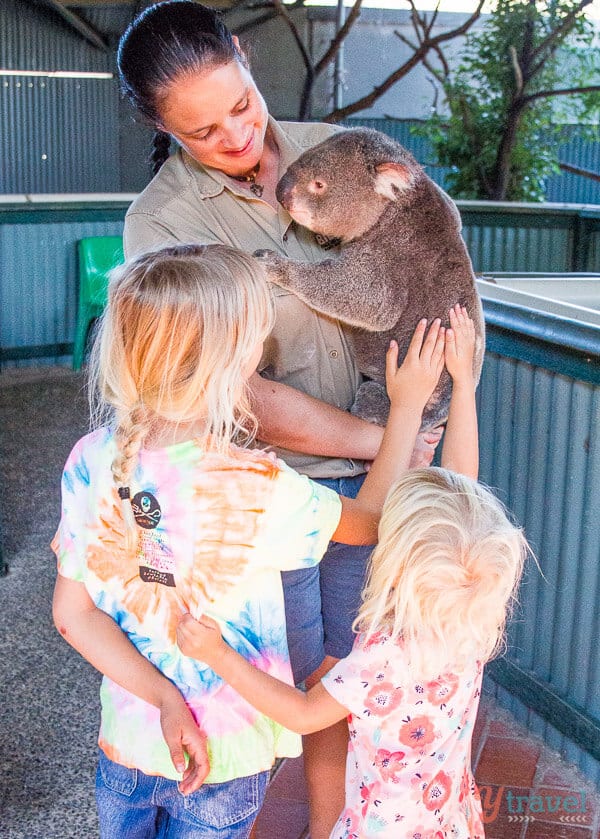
[{"x": 420, "y": 253}]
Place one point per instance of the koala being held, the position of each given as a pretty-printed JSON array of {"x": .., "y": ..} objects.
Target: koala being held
[{"x": 402, "y": 256}]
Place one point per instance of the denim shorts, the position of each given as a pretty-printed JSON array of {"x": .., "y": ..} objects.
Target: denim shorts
[
  {"x": 133, "y": 805},
  {"x": 322, "y": 602}
]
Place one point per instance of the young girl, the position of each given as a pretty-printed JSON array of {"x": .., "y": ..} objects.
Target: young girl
[
  {"x": 162, "y": 515},
  {"x": 434, "y": 608}
]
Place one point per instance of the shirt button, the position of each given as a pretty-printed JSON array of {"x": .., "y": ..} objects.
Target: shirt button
[
  {"x": 334, "y": 353},
  {"x": 285, "y": 237}
]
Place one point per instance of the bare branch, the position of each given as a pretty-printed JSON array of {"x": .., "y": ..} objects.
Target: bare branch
[
  {"x": 337, "y": 41},
  {"x": 404, "y": 69},
  {"x": 443, "y": 61},
  {"x": 514, "y": 58},
  {"x": 281, "y": 9},
  {"x": 405, "y": 40},
  {"x": 575, "y": 170},
  {"x": 567, "y": 91}
]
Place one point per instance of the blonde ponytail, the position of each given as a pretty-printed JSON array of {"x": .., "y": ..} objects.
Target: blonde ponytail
[{"x": 129, "y": 437}]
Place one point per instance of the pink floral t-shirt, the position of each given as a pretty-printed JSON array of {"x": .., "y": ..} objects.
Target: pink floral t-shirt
[{"x": 408, "y": 774}]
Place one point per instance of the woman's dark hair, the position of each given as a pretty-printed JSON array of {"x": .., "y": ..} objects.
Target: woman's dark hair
[{"x": 164, "y": 42}]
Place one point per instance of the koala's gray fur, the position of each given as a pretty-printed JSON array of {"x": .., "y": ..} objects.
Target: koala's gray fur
[{"x": 402, "y": 256}]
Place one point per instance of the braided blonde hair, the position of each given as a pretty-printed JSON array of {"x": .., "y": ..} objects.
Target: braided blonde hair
[
  {"x": 444, "y": 574},
  {"x": 173, "y": 347}
]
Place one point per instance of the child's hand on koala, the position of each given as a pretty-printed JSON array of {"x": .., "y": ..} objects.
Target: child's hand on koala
[
  {"x": 200, "y": 639},
  {"x": 460, "y": 346},
  {"x": 411, "y": 384}
]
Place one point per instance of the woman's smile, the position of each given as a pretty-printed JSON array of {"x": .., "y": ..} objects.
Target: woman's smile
[{"x": 218, "y": 116}]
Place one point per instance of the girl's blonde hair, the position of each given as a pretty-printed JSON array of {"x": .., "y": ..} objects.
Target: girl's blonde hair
[
  {"x": 174, "y": 344},
  {"x": 444, "y": 574}
]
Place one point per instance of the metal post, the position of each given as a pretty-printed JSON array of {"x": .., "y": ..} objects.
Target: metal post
[{"x": 338, "y": 70}]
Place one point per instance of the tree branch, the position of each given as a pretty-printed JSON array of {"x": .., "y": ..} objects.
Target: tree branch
[
  {"x": 404, "y": 69},
  {"x": 516, "y": 70},
  {"x": 337, "y": 41},
  {"x": 281, "y": 9},
  {"x": 555, "y": 35},
  {"x": 567, "y": 91}
]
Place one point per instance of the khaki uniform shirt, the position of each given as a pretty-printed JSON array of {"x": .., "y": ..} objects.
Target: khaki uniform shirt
[{"x": 186, "y": 202}]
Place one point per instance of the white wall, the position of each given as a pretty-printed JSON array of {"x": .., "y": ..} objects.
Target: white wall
[{"x": 371, "y": 53}]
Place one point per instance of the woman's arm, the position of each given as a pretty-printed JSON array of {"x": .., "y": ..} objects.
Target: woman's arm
[
  {"x": 460, "y": 449},
  {"x": 97, "y": 637},
  {"x": 298, "y": 711},
  {"x": 294, "y": 420}
]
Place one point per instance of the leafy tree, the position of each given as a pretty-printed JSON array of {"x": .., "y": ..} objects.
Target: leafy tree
[{"x": 532, "y": 66}]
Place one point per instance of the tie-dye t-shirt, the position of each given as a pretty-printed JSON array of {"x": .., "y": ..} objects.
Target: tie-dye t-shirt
[
  {"x": 408, "y": 773},
  {"x": 214, "y": 532}
]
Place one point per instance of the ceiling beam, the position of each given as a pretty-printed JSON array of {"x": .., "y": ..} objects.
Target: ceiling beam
[{"x": 75, "y": 22}]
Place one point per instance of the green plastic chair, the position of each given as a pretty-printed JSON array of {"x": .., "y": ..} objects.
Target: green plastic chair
[{"x": 98, "y": 255}]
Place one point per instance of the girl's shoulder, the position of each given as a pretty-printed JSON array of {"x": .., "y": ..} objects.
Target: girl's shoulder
[{"x": 92, "y": 444}]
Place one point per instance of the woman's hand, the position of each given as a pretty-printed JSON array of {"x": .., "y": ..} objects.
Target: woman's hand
[
  {"x": 200, "y": 639},
  {"x": 460, "y": 346},
  {"x": 411, "y": 384}
]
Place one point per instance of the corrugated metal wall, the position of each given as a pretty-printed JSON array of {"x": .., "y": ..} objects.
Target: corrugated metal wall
[
  {"x": 585, "y": 154},
  {"x": 38, "y": 287},
  {"x": 528, "y": 248},
  {"x": 52, "y": 139},
  {"x": 58, "y": 135},
  {"x": 540, "y": 449}
]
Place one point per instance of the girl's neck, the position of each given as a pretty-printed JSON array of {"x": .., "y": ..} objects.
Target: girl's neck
[{"x": 171, "y": 433}]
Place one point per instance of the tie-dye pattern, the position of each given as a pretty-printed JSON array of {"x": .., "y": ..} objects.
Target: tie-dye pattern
[{"x": 223, "y": 528}]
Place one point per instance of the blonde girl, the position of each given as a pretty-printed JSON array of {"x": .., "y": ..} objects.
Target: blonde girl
[
  {"x": 165, "y": 512},
  {"x": 441, "y": 581}
]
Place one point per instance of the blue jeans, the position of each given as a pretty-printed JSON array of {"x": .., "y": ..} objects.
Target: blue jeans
[
  {"x": 133, "y": 805},
  {"x": 322, "y": 602}
]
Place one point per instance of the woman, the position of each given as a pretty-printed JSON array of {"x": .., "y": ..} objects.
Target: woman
[{"x": 187, "y": 76}]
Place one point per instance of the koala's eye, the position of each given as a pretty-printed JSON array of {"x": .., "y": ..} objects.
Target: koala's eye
[{"x": 317, "y": 187}]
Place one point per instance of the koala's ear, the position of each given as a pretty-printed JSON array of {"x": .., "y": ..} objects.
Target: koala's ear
[{"x": 392, "y": 178}]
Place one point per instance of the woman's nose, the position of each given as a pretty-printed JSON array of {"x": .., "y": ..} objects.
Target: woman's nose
[{"x": 235, "y": 136}]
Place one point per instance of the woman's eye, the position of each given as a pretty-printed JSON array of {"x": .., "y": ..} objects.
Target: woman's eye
[{"x": 243, "y": 106}]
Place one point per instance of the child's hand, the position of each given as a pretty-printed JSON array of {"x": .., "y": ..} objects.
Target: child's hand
[
  {"x": 460, "y": 346},
  {"x": 182, "y": 736},
  {"x": 200, "y": 639},
  {"x": 411, "y": 384}
]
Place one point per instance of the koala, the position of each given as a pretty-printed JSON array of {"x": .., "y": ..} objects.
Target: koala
[{"x": 401, "y": 258}]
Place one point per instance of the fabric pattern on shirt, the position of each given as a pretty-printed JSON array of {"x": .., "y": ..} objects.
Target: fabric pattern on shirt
[
  {"x": 408, "y": 773},
  {"x": 213, "y": 533}
]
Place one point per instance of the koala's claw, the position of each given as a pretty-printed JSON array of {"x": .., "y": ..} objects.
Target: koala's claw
[{"x": 263, "y": 253}]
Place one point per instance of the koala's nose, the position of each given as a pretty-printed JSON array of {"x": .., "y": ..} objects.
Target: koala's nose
[{"x": 284, "y": 190}]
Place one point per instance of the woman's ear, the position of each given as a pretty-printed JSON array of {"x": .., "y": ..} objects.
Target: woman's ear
[{"x": 241, "y": 52}]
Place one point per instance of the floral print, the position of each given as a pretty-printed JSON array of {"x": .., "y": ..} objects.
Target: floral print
[
  {"x": 408, "y": 773},
  {"x": 213, "y": 533},
  {"x": 417, "y": 733},
  {"x": 383, "y": 698}
]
